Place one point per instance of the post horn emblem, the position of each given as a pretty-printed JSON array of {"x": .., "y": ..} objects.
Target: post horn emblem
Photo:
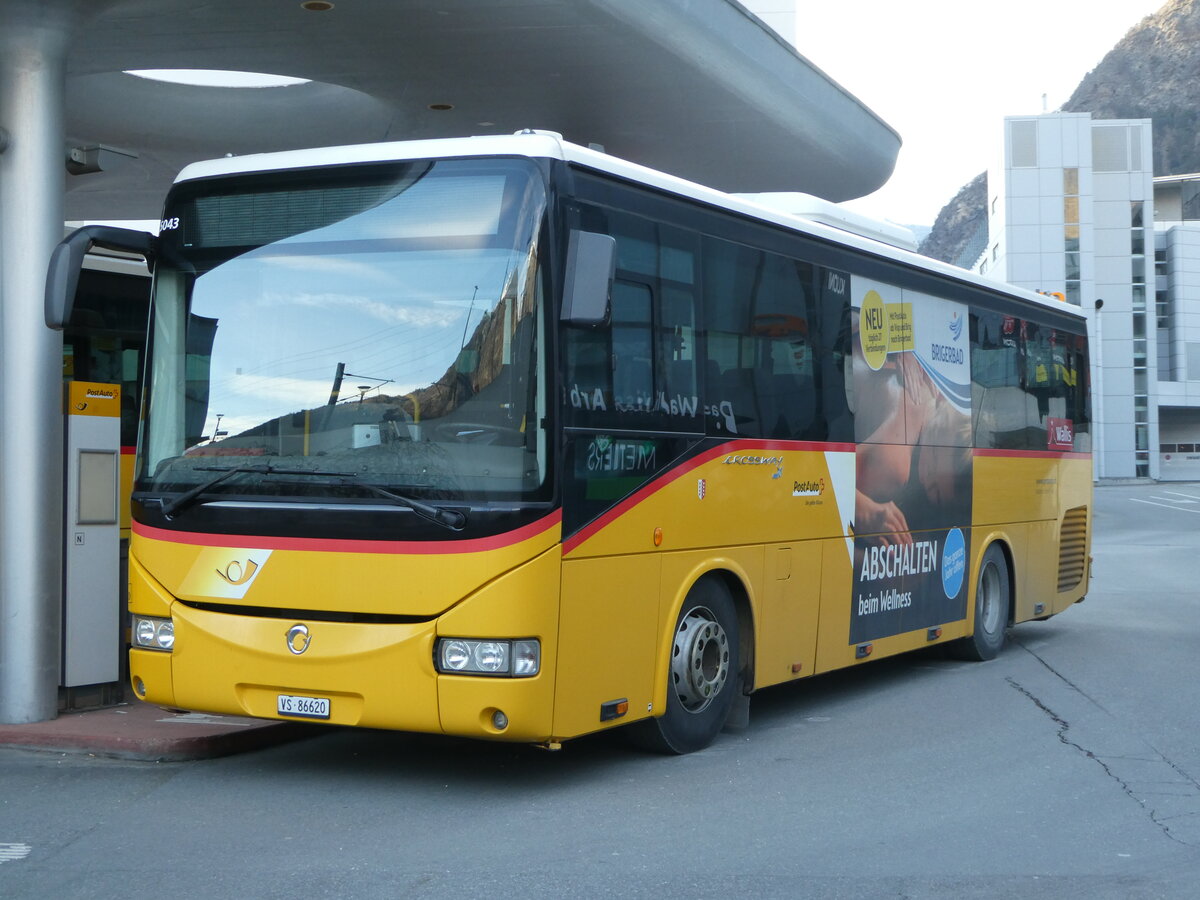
[{"x": 234, "y": 573}]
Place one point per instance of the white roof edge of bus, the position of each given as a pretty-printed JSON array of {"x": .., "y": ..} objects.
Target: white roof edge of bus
[
  {"x": 814, "y": 209},
  {"x": 532, "y": 143},
  {"x": 547, "y": 144}
]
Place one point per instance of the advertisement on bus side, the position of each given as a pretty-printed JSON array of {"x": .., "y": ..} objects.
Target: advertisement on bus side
[{"x": 913, "y": 472}]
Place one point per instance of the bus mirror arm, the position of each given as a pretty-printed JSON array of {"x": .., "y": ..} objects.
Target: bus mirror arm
[
  {"x": 590, "y": 269},
  {"x": 62, "y": 276}
]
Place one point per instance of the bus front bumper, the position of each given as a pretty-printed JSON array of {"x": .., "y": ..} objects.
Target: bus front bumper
[{"x": 371, "y": 674}]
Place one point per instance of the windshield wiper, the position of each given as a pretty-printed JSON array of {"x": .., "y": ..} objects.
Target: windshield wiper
[
  {"x": 453, "y": 519},
  {"x": 448, "y": 518},
  {"x": 188, "y": 497}
]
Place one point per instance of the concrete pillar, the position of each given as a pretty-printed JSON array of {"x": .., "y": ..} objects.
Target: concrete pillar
[{"x": 33, "y": 44}]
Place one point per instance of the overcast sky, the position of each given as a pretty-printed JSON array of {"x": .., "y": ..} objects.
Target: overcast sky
[{"x": 945, "y": 73}]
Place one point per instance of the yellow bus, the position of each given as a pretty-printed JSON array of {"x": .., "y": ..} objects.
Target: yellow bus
[{"x": 506, "y": 438}]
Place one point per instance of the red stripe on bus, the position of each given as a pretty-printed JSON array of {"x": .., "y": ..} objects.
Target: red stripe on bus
[
  {"x": 128, "y": 450},
  {"x": 1032, "y": 454},
  {"x": 338, "y": 545},
  {"x": 727, "y": 449}
]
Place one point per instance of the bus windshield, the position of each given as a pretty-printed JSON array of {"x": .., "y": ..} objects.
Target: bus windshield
[{"x": 364, "y": 327}]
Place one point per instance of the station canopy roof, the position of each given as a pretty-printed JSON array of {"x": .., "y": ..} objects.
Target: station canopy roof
[{"x": 697, "y": 88}]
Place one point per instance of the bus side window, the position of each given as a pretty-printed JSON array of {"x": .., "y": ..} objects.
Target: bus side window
[
  {"x": 833, "y": 356},
  {"x": 730, "y": 272},
  {"x": 760, "y": 380},
  {"x": 643, "y": 360},
  {"x": 998, "y": 398},
  {"x": 1039, "y": 384},
  {"x": 677, "y": 347},
  {"x": 784, "y": 369},
  {"x": 632, "y": 346},
  {"x": 1079, "y": 395}
]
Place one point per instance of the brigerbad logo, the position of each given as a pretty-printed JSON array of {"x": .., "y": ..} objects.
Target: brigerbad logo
[
  {"x": 956, "y": 325},
  {"x": 948, "y": 354},
  {"x": 944, "y": 353}
]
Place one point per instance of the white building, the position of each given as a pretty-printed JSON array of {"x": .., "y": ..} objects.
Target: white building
[
  {"x": 1072, "y": 211},
  {"x": 1177, "y": 322}
]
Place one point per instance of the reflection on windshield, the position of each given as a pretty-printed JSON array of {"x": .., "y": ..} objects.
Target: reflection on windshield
[{"x": 398, "y": 342}]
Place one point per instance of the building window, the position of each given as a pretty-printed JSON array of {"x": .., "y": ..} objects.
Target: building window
[
  {"x": 1110, "y": 148},
  {"x": 1191, "y": 351},
  {"x": 1141, "y": 392},
  {"x": 1072, "y": 267},
  {"x": 1071, "y": 236},
  {"x": 1023, "y": 136}
]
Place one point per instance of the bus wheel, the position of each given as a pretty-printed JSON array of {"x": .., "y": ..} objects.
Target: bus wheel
[
  {"x": 992, "y": 597},
  {"x": 703, "y": 673}
]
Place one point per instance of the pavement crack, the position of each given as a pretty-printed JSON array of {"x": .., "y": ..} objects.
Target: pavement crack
[
  {"x": 1161, "y": 820},
  {"x": 1060, "y": 676}
]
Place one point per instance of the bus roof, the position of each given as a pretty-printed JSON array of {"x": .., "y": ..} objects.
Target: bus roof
[{"x": 537, "y": 144}]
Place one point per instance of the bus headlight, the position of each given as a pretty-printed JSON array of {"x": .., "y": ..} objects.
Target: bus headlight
[
  {"x": 515, "y": 659},
  {"x": 491, "y": 656},
  {"x": 153, "y": 634}
]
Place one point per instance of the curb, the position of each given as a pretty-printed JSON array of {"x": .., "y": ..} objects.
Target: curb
[{"x": 148, "y": 733}]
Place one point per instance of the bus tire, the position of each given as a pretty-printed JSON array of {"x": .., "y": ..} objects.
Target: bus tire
[
  {"x": 703, "y": 673},
  {"x": 993, "y": 597}
]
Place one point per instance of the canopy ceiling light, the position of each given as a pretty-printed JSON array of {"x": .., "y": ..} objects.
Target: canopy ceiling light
[{"x": 216, "y": 78}]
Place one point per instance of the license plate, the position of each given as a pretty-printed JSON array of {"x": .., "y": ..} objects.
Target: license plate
[{"x": 303, "y": 707}]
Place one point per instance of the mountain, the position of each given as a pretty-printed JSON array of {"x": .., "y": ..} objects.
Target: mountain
[
  {"x": 1152, "y": 73},
  {"x": 960, "y": 224}
]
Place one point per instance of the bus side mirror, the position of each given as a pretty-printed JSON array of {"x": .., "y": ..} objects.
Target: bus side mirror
[
  {"x": 591, "y": 266},
  {"x": 62, "y": 277}
]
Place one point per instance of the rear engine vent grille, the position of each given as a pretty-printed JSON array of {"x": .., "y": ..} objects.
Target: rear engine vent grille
[{"x": 1072, "y": 548}]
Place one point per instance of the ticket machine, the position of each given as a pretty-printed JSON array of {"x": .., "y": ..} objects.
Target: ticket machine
[{"x": 91, "y": 558}]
